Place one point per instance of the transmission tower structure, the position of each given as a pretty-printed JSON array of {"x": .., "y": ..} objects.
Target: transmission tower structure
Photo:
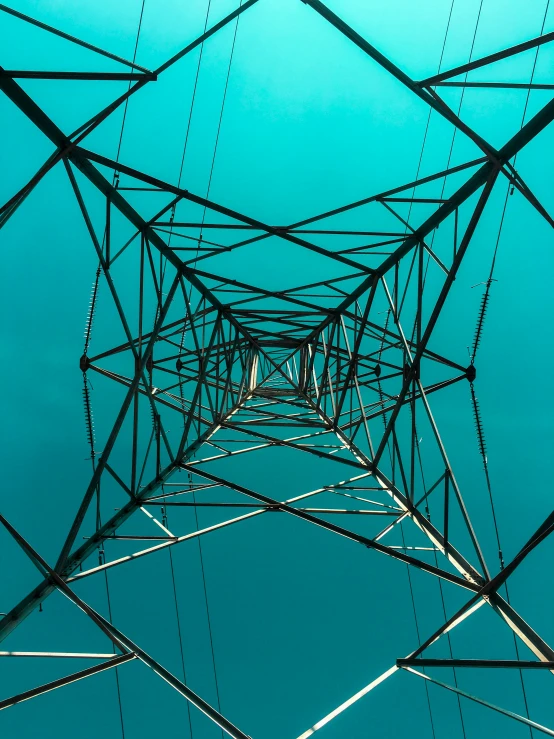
[{"x": 215, "y": 370}]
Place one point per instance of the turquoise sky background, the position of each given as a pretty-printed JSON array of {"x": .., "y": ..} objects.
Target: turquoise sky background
[{"x": 301, "y": 620}]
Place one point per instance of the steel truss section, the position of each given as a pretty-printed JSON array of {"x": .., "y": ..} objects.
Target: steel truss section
[{"x": 340, "y": 370}]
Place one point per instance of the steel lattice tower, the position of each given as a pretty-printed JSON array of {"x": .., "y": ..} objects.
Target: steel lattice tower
[{"x": 339, "y": 370}]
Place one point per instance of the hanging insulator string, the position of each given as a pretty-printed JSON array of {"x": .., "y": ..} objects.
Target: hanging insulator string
[
  {"x": 89, "y": 419},
  {"x": 91, "y": 310},
  {"x": 84, "y": 365},
  {"x": 481, "y": 319}
]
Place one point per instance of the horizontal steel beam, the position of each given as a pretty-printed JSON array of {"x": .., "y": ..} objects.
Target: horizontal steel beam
[
  {"x": 26, "y": 74},
  {"x": 519, "y": 664}
]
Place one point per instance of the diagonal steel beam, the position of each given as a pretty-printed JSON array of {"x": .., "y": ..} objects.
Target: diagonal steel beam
[
  {"x": 72, "y": 39},
  {"x": 68, "y": 680},
  {"x": 401, "y": 76},
  {"x": 489, "y": 59},
  {"x": 526, "y": 134},
  {"x": 187, "y": 195},
  {"x": 122, "y": 641}
]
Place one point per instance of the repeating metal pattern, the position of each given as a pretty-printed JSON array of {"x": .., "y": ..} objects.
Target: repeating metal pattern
[{"x": 340, "y": 369}]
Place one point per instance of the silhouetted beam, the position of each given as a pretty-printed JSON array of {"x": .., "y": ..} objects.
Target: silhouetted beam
[
  {"x": 25, "y": 74},
  {"x": 244, "y": 227},
  {"x": 119, "y": 639},
  {"x": 20, "y": 697},
  {"x": 401, "y": 76},
  {"x": 512, "y": 663},
  {"x": 526, "y": 134},
  {"x": 501, "y": 85},
  {"x": 488, "y": 59},
  {"x": 413, "y": 200},
  {"x": 369, "y": 543},
  {"x": 80, "y": 154},
  {"x": 511, "y": 714},
  {"x": 326, "y": 511},
  {"x": 60, "y": 655},
  {"x": 210, "y": 32},
  {"x": 73, "y": 40}
]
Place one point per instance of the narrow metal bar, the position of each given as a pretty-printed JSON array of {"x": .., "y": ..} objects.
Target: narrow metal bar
[
  {"x": 356, "y": 697},
  {"x": 489, "y": 59},
  {"x": 206, "y": 35},
  {"x": 65, "y": 655},
  {"x": 122, "y": 641},
  {"x": 500, "y": 85},
  {"x": 20, "y": 697},
  {"x": 27, "y": 74},
  {"x": 73, "y": 40},
  {"x": 473, "y": 698},
  {"x": 415, "y": 87},
  {"x": 369, "y": 543},
  {"x": 498, "y": 663}
]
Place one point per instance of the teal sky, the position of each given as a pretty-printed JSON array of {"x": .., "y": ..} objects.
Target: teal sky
[{"x": 301, "y": 620}]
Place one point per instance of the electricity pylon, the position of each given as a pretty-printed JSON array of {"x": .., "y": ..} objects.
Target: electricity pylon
[{"x": 215, "y": 367}]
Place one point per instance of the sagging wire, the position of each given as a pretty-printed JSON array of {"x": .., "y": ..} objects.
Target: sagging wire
[
  {"x": 476, "y": 342},
  {"x": 182, "y": 344},
  {"x": 181, "y": 169},
  {"x": 179, "y": 363},
  {"x": 165, "y": 523},
  {"x": 219, "y": 127},
  {"x": 116, "y": 184},
  {"x": 481, "y": 319},
  {"x": 201, "y": 555},
  {"x": 429, "y": 114},
  {"x": 89, "y": 427},
  {"x": 424, "y": 143},
  {"x": 428, "y": 260},
  {"x": 89, "y": 419},
  {"x": 416, "y": 439},
  {"x": 481, "y": 442},
  {"x": 441, "y": 590},
  {"x": 418, "y": 635}
]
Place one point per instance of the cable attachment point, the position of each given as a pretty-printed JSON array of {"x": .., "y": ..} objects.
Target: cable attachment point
[{"x": 471, "y": 373}]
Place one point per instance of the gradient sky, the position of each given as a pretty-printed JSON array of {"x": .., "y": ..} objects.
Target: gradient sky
[{"x": 301, "y": 620}]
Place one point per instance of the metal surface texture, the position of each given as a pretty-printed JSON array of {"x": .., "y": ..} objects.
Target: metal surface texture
[{"x": 342, "y": 372}]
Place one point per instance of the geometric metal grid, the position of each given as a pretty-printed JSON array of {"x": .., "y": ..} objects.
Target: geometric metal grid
[{"x": 340, "y": 369}]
